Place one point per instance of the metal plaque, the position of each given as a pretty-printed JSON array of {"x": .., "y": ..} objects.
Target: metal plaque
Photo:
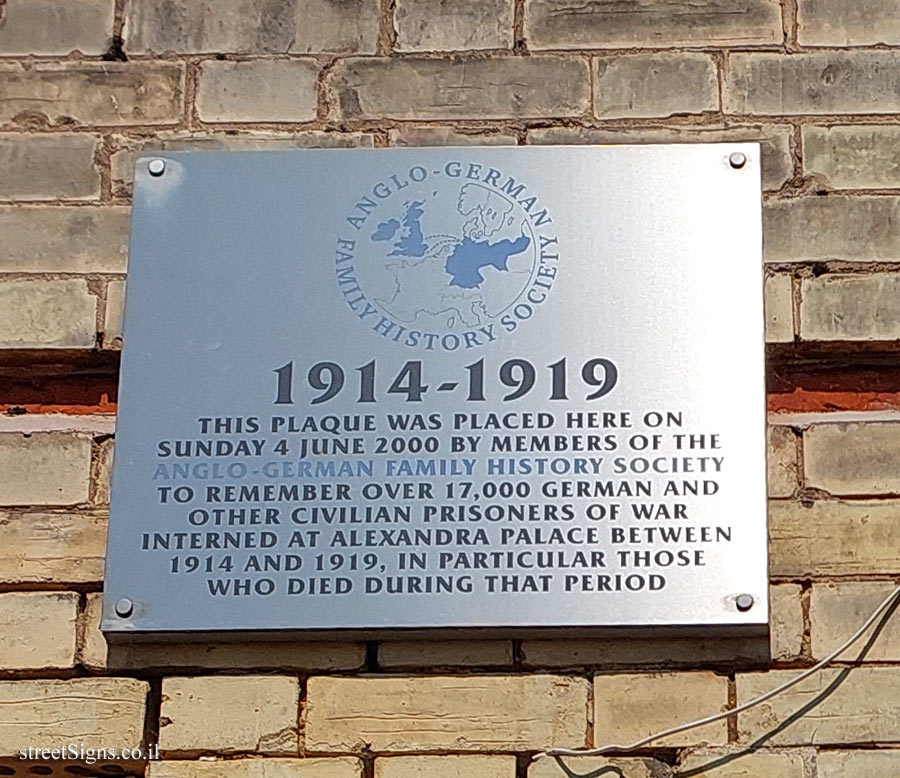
[{"x": 506, "y": 389}]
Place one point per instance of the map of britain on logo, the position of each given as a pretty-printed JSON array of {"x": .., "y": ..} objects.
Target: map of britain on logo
[{"x": 443, "y": 263}]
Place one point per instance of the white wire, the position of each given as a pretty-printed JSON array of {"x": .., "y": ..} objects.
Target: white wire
[{"x": 740, "y": 708}]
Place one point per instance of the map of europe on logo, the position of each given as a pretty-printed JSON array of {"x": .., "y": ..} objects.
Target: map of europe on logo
[{"x": 451, "y": 257}]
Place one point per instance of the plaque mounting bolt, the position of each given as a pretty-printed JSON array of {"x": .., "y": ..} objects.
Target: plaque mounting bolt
[
  {"x": 744, "y": 602},
  {"x": 736, "y": 159},
  {"x": 124, "y": 607},
  {"x": 156, "y": 167}
]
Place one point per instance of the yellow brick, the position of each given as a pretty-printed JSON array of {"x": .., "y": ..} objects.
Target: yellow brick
[
  {"x": 838, "y": 307},
  {"x": 251, "y": 26},
  {"x": 469, "y": 713},
  {"x": 654, "y": 84},
  {"x": 786, "y": 621},
  {"x": 853, "y": 156},
  {"x": 44, "y": 468},
  {"x": 58, "y": 548},
  {"x": 741, "y": 765},
  {"x": 93, "y": 651},
  {"x": 841, "y": 23},
  {"x": 99, "y": 712},
  {"x": 502, "y": 87},
  {"x": 454, "y": 25},
  {"x": 339, "y": 767},
  {"x": 782, "y": 461},
  {"x": 853, "y": 459},
  {"x": 597, "y": 767},
  {"x": 837, "y": 610},
  {"x": 47, "y": 27},
  {"x": 833, "y": 537},
  {"x": 562, "y": 24},
  {"x": 78, "y": 92},
  {"x": 35, "y": 313},
  {"x": 816, "y": 82},
  {"x": 860, "y": 705},
  {"x": 229, "y": 714},
  {"x": 859, "y": 764},
  {"x": 779, "y": 309},
  {"x": 48, "y": 167},
  {"x": 258, "y": 91},
  {"x": 811, "y": 229},
  {"x": 630, "y": 707},
  {"x": 37, "y": 630},
  {"x": 112, "y": 318},
  {"x": 102, "y": 472},
  {"x": 446, "y": 767},
  {"x": 54, "y": 239},
  {"x": 412, "y": 135}
]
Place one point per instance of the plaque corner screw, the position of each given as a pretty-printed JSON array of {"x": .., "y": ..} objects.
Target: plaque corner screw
[
  {"x": 156, "y": 167},
  {"x": 744, "y": 602},
  {"x": 124, "y": 607},
  {"x": 737, "y": 159}
]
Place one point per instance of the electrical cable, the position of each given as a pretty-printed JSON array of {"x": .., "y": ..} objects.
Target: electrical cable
[{"x": 738, "y": 709}]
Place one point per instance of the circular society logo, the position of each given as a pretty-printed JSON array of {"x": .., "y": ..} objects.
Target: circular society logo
[{"x": 447, "y": 258}]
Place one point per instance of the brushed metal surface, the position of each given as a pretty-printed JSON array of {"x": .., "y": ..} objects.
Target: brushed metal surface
[{"x": 249, "y": 270}]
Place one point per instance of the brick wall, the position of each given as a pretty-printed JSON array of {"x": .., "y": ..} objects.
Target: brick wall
[{"x": 86, "y": 84}]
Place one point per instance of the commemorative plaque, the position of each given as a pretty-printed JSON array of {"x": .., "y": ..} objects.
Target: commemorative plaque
[{"x": 499, "y": 389}]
